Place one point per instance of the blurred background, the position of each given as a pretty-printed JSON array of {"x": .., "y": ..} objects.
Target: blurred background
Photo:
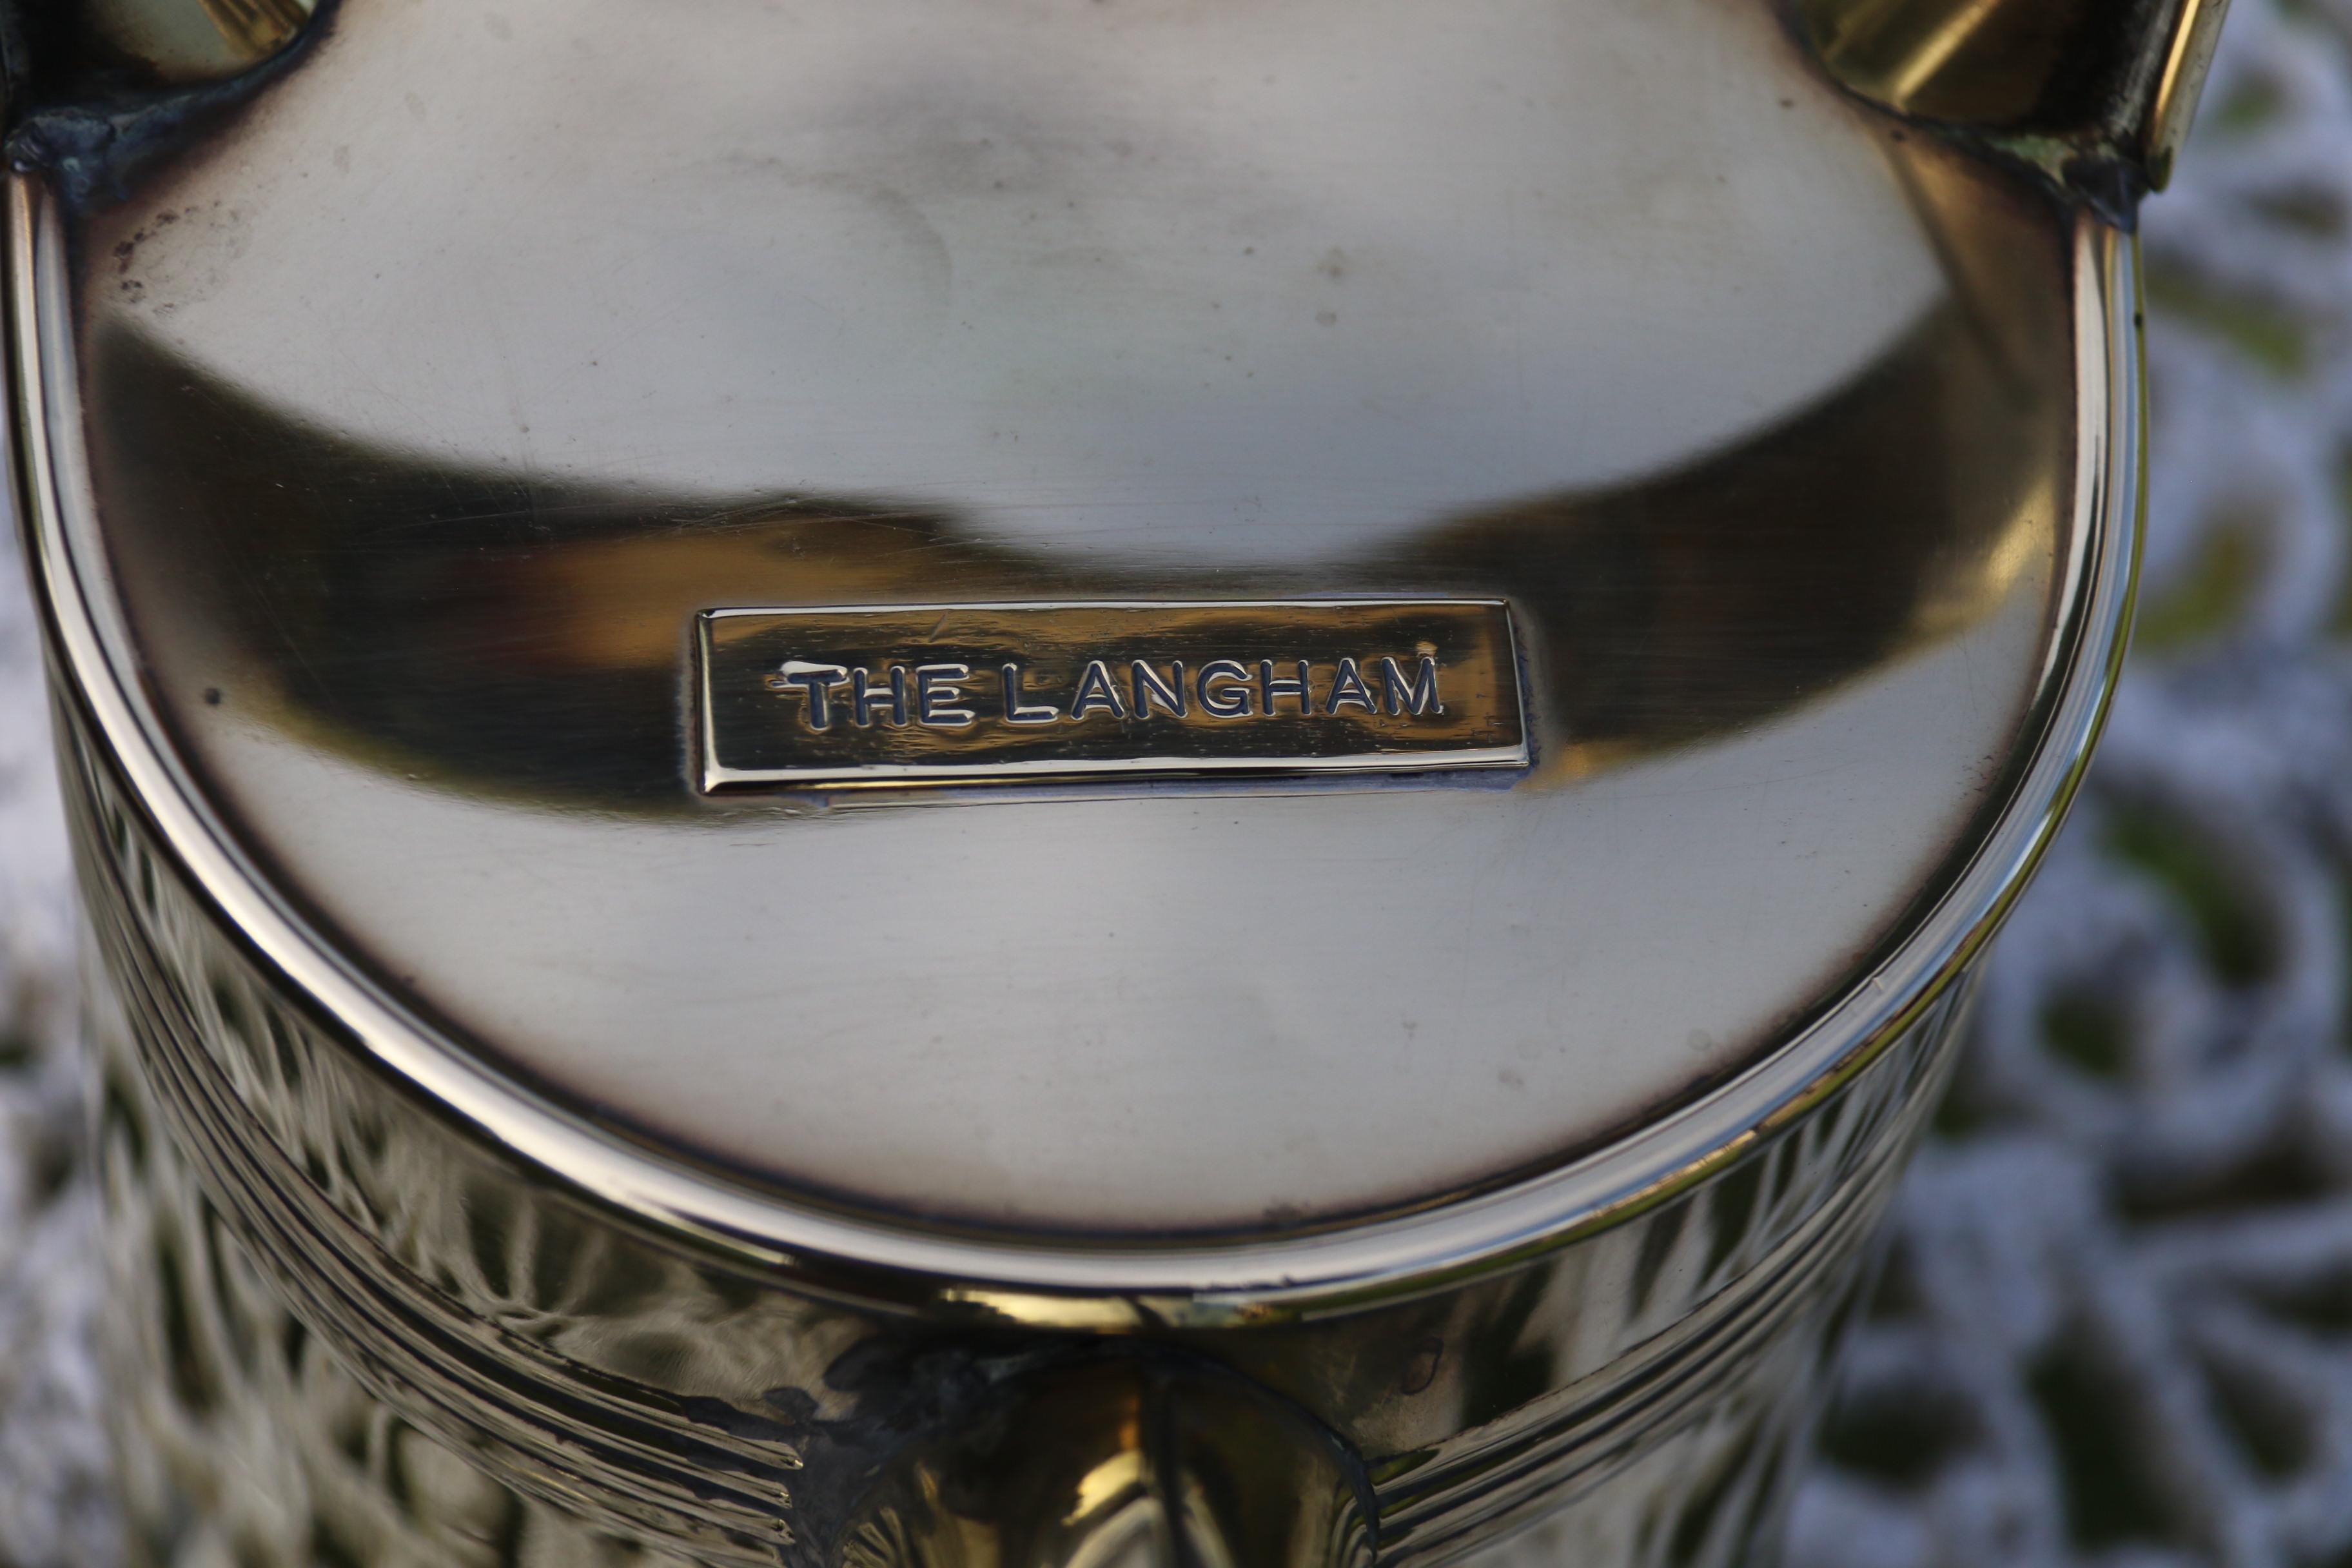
[{"x": 2116, "y": 1327}]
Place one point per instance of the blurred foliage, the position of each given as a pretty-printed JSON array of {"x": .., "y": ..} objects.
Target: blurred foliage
[
  {"x": 2270, "y": 334},
  {"x": 2211, "y": 595}
]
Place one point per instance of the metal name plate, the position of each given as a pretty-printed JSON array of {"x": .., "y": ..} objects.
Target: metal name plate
[{"x": 936, "y": 693}]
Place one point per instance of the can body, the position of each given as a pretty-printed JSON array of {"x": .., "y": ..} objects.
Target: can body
[
  {"x": 345, "y": 1332},
  {"x": 865, "y": 937}
]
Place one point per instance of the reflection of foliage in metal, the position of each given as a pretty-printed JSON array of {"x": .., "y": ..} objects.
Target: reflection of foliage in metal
[
  {"x": 258, "y": 27},
  {"x": 55, "y": 1479},
  {"x": 2118, "y": 1321},
  {"x": 185, "y": 43}
]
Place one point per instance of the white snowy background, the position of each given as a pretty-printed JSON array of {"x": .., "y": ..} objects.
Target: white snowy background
[
  {"x": 2116, "y": 1328},
  {"x": 2116, "y": 1325}
]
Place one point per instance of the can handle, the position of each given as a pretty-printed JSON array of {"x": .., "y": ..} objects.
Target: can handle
[
  {"x": 2100, "y": 92},
  {"x": 1122, "y": 1462}
]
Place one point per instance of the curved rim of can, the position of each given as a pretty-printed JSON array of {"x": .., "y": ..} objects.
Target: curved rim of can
[{"x": 1092, "y": 1285}]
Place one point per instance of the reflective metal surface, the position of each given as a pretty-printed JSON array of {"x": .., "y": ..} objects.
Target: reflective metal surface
[
  {"x": 2099, "y": 93},
  {"x": 496, "y": 476},
  {"x": 961, "y": 692},
  {"x": 351, "y": 1323},
  {"x": 178, "y": 41},
  {"x": 1767, "y": 424}
]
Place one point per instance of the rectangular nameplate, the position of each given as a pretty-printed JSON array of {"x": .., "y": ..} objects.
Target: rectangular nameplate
[{"x": 938, "y": 693}]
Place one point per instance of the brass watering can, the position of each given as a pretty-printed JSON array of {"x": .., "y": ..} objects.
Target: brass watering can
[{"x": 1048, "y": 782}]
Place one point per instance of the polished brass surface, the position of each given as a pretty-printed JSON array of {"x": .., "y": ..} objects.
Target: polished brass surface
[
  {"x": 1150, "y": 1464},
  {"x": 2099, "y": 92},
  {"x": 193, "y": 41},
  {"x": 1788, "y": 582},
  {"x": 948, "y": 692},
  {"x": 442, "y": 444},
  {"x": 346, "y": 1326},
  {"x": 2195, "y": 33}
]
